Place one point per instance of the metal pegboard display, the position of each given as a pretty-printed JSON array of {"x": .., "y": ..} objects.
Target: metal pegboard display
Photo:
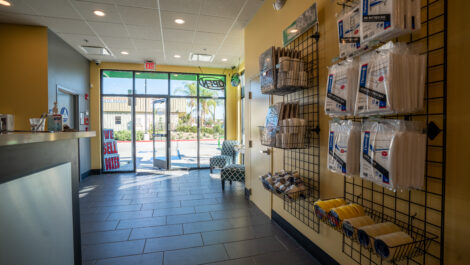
[
  {"x": 306, "y": 160},
  {"x": 419, "y": 210}
]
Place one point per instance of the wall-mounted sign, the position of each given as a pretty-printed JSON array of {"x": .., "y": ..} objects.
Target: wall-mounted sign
[
  {"x": 235, "y": 80},
  {"x": 212, "y": 82},
  {"x": 149, "y": 65},
  {"x": 300, "y": 25},
  {"x": 110, "y": 151},
  {"x": 65, "y": 115}
]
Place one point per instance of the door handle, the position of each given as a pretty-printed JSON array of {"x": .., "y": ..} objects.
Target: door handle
[{"x": 267, "y": 151}]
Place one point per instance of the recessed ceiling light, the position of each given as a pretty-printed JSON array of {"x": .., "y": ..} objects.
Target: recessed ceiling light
[
  {"x": 99, "y": 13},
  {"x": 124, "y": 52},
  {"x": 5, "y": 3},
  {"x": 224, "y": 59},
  {"x": 179, "y": 21},
  {"x": 177, "y": 56},
  {"x": 293, "y": 30}
]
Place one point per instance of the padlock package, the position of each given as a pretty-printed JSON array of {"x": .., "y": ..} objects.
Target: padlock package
[
  {"x": 344, "y": 147},
  {"x": 341, "y": 88},
  {"x": 393, "y": 153}
]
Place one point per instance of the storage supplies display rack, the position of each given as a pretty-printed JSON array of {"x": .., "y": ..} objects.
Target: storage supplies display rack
[
  {"x": 420, "y": 213},
  {"x": 306, "y": 160}
]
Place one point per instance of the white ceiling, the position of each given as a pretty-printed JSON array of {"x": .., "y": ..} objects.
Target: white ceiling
[{"x": 144, "y": 28}]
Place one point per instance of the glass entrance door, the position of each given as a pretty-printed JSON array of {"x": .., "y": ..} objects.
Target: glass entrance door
[{"x": 160, "y": 133}]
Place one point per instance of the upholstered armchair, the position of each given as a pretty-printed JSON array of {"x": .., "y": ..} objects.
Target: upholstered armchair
[{"x": 227, "y": 157}]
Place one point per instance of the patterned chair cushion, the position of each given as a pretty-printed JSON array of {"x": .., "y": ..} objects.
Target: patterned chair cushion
[
  {"x": 228, "y": 148},
  {"x": 220, "y": 161},
  {"x": 234, "y": 172}
]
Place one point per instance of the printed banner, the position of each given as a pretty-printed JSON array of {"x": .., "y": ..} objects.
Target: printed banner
[{"x": 110, "y": 151}]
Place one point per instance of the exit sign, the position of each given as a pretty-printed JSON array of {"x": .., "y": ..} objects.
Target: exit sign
[{"x": 149, "y": 66}]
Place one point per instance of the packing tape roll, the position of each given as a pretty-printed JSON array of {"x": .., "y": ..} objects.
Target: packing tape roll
[
  {"x": 351, "y": 225},
  {"x": 338, "y": 214},
  {"x": 323, "y": 207},
  {"x": 366, "y": 233},
  {"x": 387, "y": 245}
]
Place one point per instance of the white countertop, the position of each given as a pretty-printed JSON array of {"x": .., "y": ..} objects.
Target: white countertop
[{"x": 14, "y": 138}]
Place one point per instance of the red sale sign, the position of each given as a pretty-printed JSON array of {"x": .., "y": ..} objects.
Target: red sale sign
[{"x": 110, "y": 151}]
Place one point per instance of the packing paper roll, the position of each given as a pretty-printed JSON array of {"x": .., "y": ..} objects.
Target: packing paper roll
[
  {"x": 387, "y": 245},
  {"x": 351, "y": 225},
  {"x": 366, "y": 234}
]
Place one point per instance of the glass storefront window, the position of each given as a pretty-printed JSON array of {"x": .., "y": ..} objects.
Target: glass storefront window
[
  {"x": 117, "y": 83},
  {"x": 180, "y": 129},
  {"x": 116, "y": 136},
  {"x": 211, "y": 86},
  {"x": 151, "y": 83},
  {"x": 183, "y": 85}
]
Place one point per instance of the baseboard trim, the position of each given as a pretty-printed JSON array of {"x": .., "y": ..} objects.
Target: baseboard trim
[
  {"x": 321, "y": 256},
  {"x": 90, "y": 172}
]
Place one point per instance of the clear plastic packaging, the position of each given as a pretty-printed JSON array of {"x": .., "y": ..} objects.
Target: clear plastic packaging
[
  {"x": 391, "y": 80},
  {"x": 343, "y": 147},
  {"x": 341, "y": 88},
  {"x": 393, "y": 153},
  {"x": 349, "y": 36},
  {"x": 382, "y": 20}
]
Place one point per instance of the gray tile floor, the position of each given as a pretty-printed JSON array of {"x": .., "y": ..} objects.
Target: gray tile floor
[{"x": 181, "y": 217}]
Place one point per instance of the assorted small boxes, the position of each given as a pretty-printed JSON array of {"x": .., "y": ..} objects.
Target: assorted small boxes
[
  {"x": 285, "y": 182},
  {"x": 283, "y": 128},
  {"x": 282, "y": 71}
]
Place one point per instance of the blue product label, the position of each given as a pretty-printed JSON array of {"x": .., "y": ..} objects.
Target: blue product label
[
  {"x": 362, "y": 81},
  {"x": 330, "y": 142},
  {"x": 340, "y": 30},
  {"x": 330, "y": 83},
  {"x": 365, "y": 7},
  {"x": 365, "y": 146}
]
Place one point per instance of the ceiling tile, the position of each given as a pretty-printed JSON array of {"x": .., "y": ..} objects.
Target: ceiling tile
[
  {"x": 168, "y": 20},
  {"x": 186, "y": 6},
  {"x": 78, "y": 40},
  {"x": 222, "y": 8},
  {"x": 109, "y": 29},
  {"x": 204, "y": 48},
  {"x": 250, "y": 9},
  {"x": 176, "y": 35},
  {"x": 208, "y": 38},
  {"x": 179, "y": 46},
  {"x": 144, "y": 32},
  {"x": 96, "y": 1},
  {"x": 18, "y": 6},
  {"x": 214, "y": 24},
  {"x": 139, "y": 16},
  {"x": 53, "y": 8},
  {"x": 62, "y": 25},
  {"x": 86, "y": 10},
  {"x": 120, "y": 43},
  {"x": 12, "y": 18},
  {"x": 138, "y": 3},
  {"x": 148, "y": 45}
]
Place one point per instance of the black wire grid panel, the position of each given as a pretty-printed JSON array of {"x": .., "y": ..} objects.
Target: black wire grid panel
[
  {"x": 418, "y": 210},
  {"x": 306, "y": 160}
]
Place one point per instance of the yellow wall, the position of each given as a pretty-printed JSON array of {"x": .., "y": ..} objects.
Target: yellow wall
[
  {"x": 458, "y": 124},
  {"x": 265, "y": 30},
  {"x": 23, "y": 72},
  {"x": 232, "y": 111}
]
